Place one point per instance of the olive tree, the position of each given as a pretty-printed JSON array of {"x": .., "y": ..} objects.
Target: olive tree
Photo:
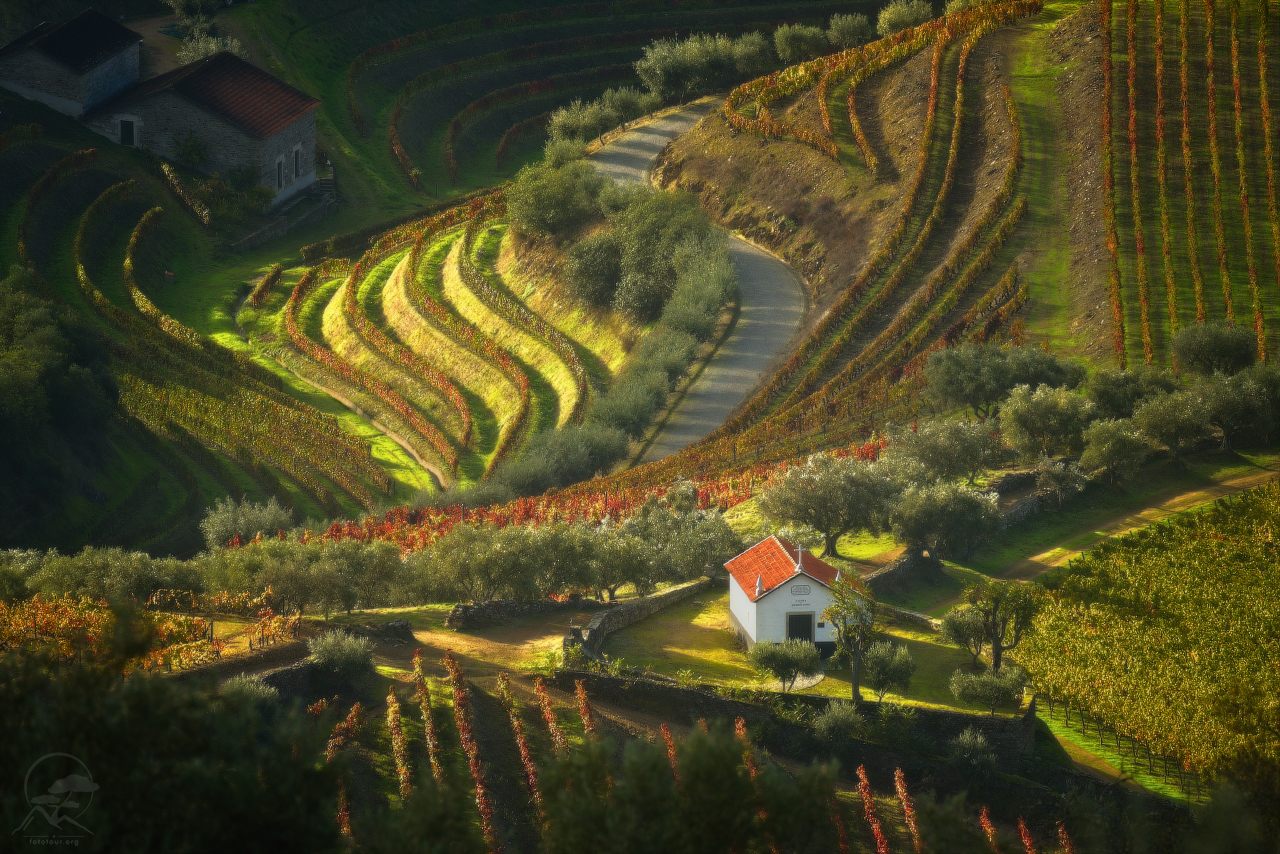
[
  {"x": 901, "y": 14},
  {"x": 831, "y": 495},
  {"x": 888, "y": 666},
  {"x": 1006, "y": 609},
  {"x": 947, "y": 449},
  {"x": 978, "y": 376},
  {"x": 943, "y": 519},
  {"x": 963, "y": 626},
  {"x": 1113, "y": 449},
  {"x": 1239, "y": 408},
  {"x": 1116, "y": 393},
  {"x": 1215, "y": 348},
  {"x": 1175, "y": 422},
  {"x": 796, "y": 43},
  {"x": 1045, "y": 422},
  {"x": 991, "y": 688},
  {"x": 786, "y": 661},
  {"x": 1059, "y": 479},
  {"x": 852, "y": 613},
  {"x": 846, "y": 31}
]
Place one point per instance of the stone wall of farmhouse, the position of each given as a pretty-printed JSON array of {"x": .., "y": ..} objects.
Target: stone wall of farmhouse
[
  {"x": 299, "y": 136},
  {"x": 115, "y": 75},
  {"x": 31, "y": 74}
]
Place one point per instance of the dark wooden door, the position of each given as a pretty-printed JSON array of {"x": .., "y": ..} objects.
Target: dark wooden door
[{"x": 800, "y": 626}]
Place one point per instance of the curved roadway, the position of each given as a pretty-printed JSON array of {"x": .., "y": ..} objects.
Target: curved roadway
[{"x": 770, "y": 297}]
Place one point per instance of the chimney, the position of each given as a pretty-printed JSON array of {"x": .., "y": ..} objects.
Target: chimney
[
  {"x": 759, "y": 586},
  {"x": 799, "y": 558}
]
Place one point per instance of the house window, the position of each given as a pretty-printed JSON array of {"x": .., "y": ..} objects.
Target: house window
[
  {"x": 126, "y": 133},
  {"x": 279, "y": 174},
  {"x": 297, "y": 162}
]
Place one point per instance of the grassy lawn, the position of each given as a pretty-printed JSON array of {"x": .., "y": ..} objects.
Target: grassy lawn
[{"x": 693, "y": 635}]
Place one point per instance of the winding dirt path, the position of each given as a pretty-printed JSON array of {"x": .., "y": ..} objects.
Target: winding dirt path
[{"x": 771, "y": 300}]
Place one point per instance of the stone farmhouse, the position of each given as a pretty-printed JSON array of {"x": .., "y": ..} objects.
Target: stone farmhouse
[
  {"x": 778, "y": 591},
  {"x": 241, "y": 116}
]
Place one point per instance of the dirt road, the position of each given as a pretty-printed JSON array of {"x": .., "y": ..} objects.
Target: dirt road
[{"x": 771, "y": 300}]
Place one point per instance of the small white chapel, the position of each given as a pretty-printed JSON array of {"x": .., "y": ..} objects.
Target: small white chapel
[{"x": 778, "y": 591}]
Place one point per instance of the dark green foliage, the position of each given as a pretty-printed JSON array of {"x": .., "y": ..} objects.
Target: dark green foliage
[
  {"x": 176, "y": 771},
  {"x": 675, "y": 70},
  {"x": 586, "y": 121},
  {"x": 189, "y": 150},
  {"x": 888, "y": 666},
  {"x": 1215, "y": 348},
  {"x": 970, "y": 753},
  {"x": 979, "y": 375},
  {"x": 946, "y": 827},
  {"x": 1060, "y": 479},
  {"x": 796, "y": 43},
  {"x": 963, "y": 627},
  {"x": 554, "y": 200},
  {"x": 833, "y": 496},
  {"x": 944, "y": 519},
  {"x": 594, "y": 267},
  {"x": 1240, "y": 408},
  {"x": 991, "y": 688},
  {"x": 838, "y": 721},
  {"x": 1007, "y": 609},
  {"x": 947, "y": 449},
  {"x": 560, "y": 457},
  {"x": 787, "y": 660},
  {"x": 112, "y": 574},
  {"x": 597, "y": 802},
  {"x": 1116, "y": 393},
  {"x": 649, "y": 232},
  {"x": 1176, "y": 422},
  {"x": 633, "y": 401},
  {"x": 1112, "y": 448},
  {"x": 56, "y": 399},
  {"x": 436, "y": 819}
]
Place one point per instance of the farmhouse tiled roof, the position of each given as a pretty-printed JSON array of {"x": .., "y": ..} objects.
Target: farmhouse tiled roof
[
  {"x": 82, "y": 43},
  {"x": 771, "y": 563},
  {"x": 227, "y": 86}
]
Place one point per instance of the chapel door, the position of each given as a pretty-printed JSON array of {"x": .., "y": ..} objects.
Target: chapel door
[{"x": 800, "y": 626}]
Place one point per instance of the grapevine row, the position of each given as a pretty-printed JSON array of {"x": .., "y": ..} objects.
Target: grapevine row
[
  {"x": 1215, "y": 164},
  {"x": 1193, "y": 239},
  {"x": 1135, "y": 191},
  {"x": 263, "y": 289},
  {"x": 394, "y": 351},
  {"x": 1242, "y": 164},
  {"x": 477, "y": 342},
  {"x": 1162, "y": 177},
  {"x": 349, "y": 372},
  {"x": 462, "y": 718},
  {"x": 522, "y": 743},
  {"x": 518, "y": 314},
  {"x": 423, "y": 693},
  {"x": 532, "y": 124},
  {"x": 1109, "y": 192}
]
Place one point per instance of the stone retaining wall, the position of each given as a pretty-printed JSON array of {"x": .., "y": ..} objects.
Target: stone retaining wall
[
  {"x": 621, "y": 616},
  {"x": 662, "y": 698},
  {"x": 465, "y": 616}
]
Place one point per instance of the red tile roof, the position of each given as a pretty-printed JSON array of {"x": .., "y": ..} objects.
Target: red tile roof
[
  {"x": 227, "y": 86},
  {"x": 82, "y": 43},
  {"x": 773, "y": 561}
]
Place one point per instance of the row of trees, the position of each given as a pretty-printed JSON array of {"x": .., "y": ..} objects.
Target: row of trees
[{"x": 667, "y": 540}]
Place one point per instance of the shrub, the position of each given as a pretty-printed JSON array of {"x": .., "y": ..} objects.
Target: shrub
[
  {"x": 632, "y": 402},
  {"x": 945, "y": 519},
  {"x": 992, "y": 689},
  {"x": 970, "y": 754},
  {"x": 593, "y": 268},
  {"x": 886, "y": 666},
  {"x": 796, "y": 43},
  {"x": 580, "y": 121},
  {"x": 1046, "y": 422},
  {"x": 1240, "y": 409},
  {"x": 228, "y": 519},
  {"x": 838, "y": 721},
  {"x": 786, "y": 661},
  {"x": 204, "y": 46},
  {"x": 846, "y": 31},
  {"x": 1112, "y": 448},
  {"x": 250, "y": 690},
  {"x": 1215, "y": 348},
  {"x": 963, "y": 627},
  {"x": 1176, "y": 422},
  {"x": 560, "y": 457},
  {"x": 189, "y": 150},
  {"x": 901, "y": 14},
  {"x": 548, "y": 199},
  {"x": 558, "y": 152},
  {"x": 1116, "y": 393},
  {"x": 345, "y": 656},
  {"x": 672, "y": 69}
]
